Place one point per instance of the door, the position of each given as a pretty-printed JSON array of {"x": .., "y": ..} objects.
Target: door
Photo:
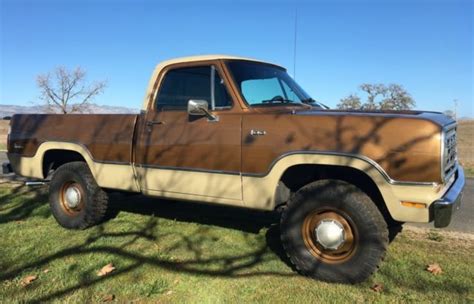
[{"x": 185, "y": 156}]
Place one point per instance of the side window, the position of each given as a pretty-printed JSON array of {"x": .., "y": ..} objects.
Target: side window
[{"x": 182, "y": 84}]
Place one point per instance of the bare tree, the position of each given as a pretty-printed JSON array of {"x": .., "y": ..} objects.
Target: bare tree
[
  {"x": 67, "y": 90},
  {"x": 379, "y": 97}
]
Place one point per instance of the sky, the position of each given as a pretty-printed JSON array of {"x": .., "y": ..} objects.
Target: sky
[{"x": 426, "y": 46}]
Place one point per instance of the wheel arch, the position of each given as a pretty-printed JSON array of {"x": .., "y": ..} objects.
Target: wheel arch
[
  {"x": 263, "y": 191},
  {"x": 107, "y": 175},
  {"x": 299, "y": 175},
  {"x": 54, "y": 158}
]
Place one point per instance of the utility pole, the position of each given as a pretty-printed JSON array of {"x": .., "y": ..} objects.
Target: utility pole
[{"x": 294, "y": 45}]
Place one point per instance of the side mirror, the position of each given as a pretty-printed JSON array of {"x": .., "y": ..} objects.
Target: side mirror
[{"x": 198, "y": 107}]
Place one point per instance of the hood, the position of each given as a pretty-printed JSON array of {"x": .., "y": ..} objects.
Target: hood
[{"x": 437, "y": 118}]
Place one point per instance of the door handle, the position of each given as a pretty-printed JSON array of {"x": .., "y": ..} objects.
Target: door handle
[{"x": 150, "y": 123}]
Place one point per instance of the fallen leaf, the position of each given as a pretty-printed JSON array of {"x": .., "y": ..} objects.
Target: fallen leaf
[
  {"x": 27, "y": 280},
  {"x": 106, "y": 270},
  {"x": 434, "y": 268},
  {"x": 108, "y": 298},
  {"x": 46, "y": 270},
  {"x": 377, "y": 287},
  {"x": 176, "y": 281},
  {"x": 169, "y": 292}
]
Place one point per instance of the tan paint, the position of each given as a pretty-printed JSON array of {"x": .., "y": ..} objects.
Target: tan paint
[
  {"x": 258, "y": 192},
  {"x": 111, "y": 176},
  {"x": 192, "y": 185}
]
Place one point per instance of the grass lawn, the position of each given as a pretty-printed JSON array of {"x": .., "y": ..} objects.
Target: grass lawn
[{"x": 168, "y": 251}]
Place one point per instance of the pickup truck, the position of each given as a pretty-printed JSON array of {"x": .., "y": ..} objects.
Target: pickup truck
[{"x": 241, "y": 132}]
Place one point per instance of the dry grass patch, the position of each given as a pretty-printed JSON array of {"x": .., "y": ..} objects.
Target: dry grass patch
[
  {"x": 3, "y": 134},
  {"x": 466, "y": 145}
]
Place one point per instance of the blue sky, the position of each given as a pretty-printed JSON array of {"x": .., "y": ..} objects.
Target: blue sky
[{"x": 427, "y": 46}]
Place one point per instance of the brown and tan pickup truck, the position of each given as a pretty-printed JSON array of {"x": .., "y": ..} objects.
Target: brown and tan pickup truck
[{"x": 241, "y": 132}]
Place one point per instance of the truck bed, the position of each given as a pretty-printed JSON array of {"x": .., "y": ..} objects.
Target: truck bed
[{"x": 108, "y": 137}]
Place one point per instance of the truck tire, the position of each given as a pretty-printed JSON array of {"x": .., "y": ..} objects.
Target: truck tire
[
  {"x": 76, "y": 201},
  {"x": 332, "y": 231}
]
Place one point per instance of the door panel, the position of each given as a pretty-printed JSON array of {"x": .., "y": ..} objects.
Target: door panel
[
  {"x": 183, "y": 145},
  {"x": 190, "y": 155}
]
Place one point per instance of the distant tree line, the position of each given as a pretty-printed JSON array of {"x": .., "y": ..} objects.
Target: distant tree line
[{"x": 379, "y": 97}]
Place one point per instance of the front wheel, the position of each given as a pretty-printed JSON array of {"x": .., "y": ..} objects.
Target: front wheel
[
  {"x": 76, "y": 201},
  {"x": 332, "y": 231}
]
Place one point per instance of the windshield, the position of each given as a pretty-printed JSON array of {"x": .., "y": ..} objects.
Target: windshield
[{"x": 263, "y": 84}]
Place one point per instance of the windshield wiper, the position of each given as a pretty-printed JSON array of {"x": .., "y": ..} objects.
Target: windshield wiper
[
  {"x": 286, "y": 101},
  {"x": 311, "y": 100}
]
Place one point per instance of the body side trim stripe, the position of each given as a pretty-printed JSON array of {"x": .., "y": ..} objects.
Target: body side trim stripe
[{"x": 357, "y": 156}]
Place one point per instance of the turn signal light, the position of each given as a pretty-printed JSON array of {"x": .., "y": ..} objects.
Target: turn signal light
[{"x": 414, "y": 205}]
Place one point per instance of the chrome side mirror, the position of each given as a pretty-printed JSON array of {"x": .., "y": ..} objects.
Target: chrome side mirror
[{"x": 198, "y": 107}]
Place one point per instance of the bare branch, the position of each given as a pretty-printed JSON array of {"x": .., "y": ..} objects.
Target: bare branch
[{"x": 69, "y": 91}]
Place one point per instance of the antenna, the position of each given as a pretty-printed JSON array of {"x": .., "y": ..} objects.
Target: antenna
[
  {"x": 455, "y": 109},
  {"x": 294, "y": 45}
]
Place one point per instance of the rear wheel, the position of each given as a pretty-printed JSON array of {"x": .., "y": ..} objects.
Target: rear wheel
[
  {"x": 332, "y": 231},
  {"x": 76, "y": 201}
]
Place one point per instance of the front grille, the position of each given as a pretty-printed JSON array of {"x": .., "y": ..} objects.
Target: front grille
[{"x": 449, "y": 154}]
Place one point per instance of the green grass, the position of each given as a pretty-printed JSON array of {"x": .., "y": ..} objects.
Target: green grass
[
  {"x": 3, "y": 147},
  {"x": 182, "y": 252},
  {"x": 469, "y": 171}
]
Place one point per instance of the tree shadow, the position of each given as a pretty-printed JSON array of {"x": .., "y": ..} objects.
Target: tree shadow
[
  {"x": 18, "y": 203},
  {"x": 242, "y": 219}
]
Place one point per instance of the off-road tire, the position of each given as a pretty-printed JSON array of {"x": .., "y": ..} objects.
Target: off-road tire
[
  {"x": 357, "y": 209},
  {"x": 93, "y": 200}
]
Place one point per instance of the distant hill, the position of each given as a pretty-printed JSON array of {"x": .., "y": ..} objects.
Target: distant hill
[{"x": 9, "y": 110}]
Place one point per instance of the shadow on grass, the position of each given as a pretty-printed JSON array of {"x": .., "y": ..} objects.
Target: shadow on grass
[
  {"x": 241, "y": 264},
  {"x": 237, "y": 265},
  {"x": 18, "y": 203}
]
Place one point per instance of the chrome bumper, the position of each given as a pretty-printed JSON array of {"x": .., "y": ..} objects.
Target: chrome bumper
[{"x": 443, "y": 208}]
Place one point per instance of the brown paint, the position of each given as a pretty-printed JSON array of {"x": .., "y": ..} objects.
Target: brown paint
[
  {"x": 408, "y": 149},
  {"x": 107, "y": 137},
  {"x": 406, "y": 145}
]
